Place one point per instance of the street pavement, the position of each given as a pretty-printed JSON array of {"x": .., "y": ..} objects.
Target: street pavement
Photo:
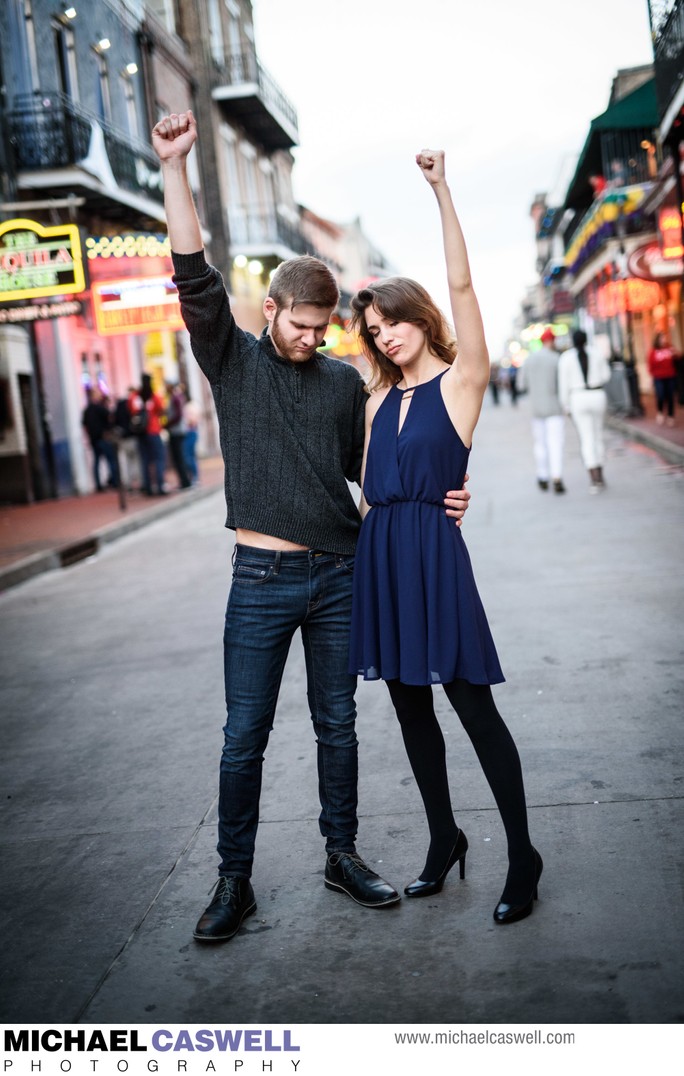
[{"x": 112, "y": 712}]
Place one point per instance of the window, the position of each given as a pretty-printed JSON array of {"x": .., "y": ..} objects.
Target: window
[
  {"x": 131, "y": 110},
  {"x": 234, "y": 36},
  {"x": 165, "y": 10},
  {"x": 31, "y": 44},
  {"x": 66, "y": 60},
  {"x": 102, "y": 96},
  {"x": 216, "y": 32},
  {"x": 249, "y": 171},
  {"x": 231, "y": 165}
]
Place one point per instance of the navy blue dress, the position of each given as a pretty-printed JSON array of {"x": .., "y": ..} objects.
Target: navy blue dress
[{"x": 416, "y": 616}]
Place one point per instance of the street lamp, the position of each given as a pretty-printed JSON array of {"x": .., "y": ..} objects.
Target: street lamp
[{"x": 630, "y": 364}]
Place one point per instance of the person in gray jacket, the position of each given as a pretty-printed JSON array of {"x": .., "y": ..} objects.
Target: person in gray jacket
[
  {"x": 540, "y": 378},
  {"x": 291, "y": 425}
]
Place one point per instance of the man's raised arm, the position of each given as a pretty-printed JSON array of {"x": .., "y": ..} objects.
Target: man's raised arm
[{"x": 173, "y": 138}]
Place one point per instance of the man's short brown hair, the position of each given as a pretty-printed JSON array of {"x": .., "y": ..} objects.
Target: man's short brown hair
[{"x": 304, "y": 280}]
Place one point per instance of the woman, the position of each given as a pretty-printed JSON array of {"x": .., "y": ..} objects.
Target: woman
[
  {"x": 582, "y": 374},
  {"x": 661, "y": 366},
  {"x": 417, "y": 619}
]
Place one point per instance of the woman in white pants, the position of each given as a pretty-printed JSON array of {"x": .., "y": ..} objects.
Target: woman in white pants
[{"x": 582, "y": 373}]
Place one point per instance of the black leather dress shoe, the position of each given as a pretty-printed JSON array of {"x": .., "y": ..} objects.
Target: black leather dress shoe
[
  {"x": 233, "y": 901},
  {"x": 457, "y": 854},
  {"x": 511, "y": 913},
  {"x": 347, "y": 873}
]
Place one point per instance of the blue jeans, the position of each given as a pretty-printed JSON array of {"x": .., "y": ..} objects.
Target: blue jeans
[
  {"x": 665, "y": 394},
  {"x": 272, "y": 595},
  {"x": 105, "y": 450},
  {"x": 190, "y": 455},
  {"x": 152, "y": 461}
]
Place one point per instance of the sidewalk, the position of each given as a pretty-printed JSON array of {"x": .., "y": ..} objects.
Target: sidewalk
[
  {"x": 36, "y": 538},
  {"x": 668, "y": 443}
]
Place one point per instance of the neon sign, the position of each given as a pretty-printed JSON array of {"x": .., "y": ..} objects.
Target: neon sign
[
  {"x": 136, "y": 305},
  {"x": 670, "y": 228},
  {"x": 37, "y": 261}
]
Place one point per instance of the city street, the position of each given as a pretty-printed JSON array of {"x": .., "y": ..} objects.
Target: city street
[{"x": 112, "y": 704}]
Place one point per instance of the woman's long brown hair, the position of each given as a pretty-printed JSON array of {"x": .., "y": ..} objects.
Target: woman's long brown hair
[{"x": 400, "y": 299}]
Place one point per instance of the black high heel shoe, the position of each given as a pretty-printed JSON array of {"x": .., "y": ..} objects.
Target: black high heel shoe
[
  {"x": 426, "y": 889},
  {"x": 511, "y": 913}
]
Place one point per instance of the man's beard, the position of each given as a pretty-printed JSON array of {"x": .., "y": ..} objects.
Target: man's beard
[{"x": 288, "y": 351}]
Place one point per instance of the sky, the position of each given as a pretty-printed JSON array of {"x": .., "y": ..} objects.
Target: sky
[{"x": 507, "y": 88}]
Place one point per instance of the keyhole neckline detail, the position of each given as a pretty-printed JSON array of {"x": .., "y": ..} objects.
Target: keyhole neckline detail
[{"x": 411, "y": 388}]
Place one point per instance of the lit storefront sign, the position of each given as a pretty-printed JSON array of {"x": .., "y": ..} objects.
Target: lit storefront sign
[
  {"x": 144, "y": 245},
  {"x": 621, "y": 296},
  {"x": 38, "y": 261},
  {"x": 670, "y": 230},
  {"x": 136, "y": 305},
  {"x": 649, "y": 263},
  {"x": 10, "y": 315}
]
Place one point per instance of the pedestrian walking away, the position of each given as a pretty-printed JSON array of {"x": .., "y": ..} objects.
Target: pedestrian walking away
[
  {"x": 417, "y": 618},
  {"x": 291, "y": 425},
  {"x": 582, "y": 374},
  {"x": 539, "y": 378}
]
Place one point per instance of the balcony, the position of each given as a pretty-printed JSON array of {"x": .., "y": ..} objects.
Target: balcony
[
  {"x": 260, "y": 233},
  {"x": 57, "y": 144},
  {"x": 667, "y": 24},
  {"x": 615, "y": 214},
  {"x": 249, "y": 95}
]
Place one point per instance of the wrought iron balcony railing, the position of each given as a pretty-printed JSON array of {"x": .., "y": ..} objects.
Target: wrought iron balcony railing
[
  {"x": 258, "y": 230},
  {"x": 257, "y": 97},
  {"x": 48, "y": 130},
  {"x": 667, "y": 25}
]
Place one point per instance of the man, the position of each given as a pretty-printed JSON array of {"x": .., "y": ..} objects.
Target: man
[
  {"x": 98, "y": 423},
  {"x": 291, "y": 425},
  {"x": 540, "y": 377}
]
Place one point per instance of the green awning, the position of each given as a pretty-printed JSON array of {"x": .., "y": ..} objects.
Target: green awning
[{"x": 635, "y": 111}]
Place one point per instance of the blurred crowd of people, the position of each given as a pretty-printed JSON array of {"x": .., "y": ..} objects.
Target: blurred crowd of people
[{"x": 136, "y": 438}]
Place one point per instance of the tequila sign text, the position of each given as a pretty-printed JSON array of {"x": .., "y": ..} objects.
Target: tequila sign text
[{"x": 36, "y": 261}]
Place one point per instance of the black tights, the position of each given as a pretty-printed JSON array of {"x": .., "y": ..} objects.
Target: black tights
[{"x": 498, "y": 756}]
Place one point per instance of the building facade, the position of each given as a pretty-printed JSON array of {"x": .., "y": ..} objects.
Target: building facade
[
  {"x": 84, "y": 286},
  {"x": 86, "y": 296},
  {"x": 663, "y": 260},
  {"x": 602, "y": 262}
]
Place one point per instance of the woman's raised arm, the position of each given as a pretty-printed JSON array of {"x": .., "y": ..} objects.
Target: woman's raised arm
[{"x": 472, "y": 363}]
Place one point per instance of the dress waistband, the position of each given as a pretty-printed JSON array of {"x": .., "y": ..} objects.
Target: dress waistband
[{"x": 408, "y": 500}]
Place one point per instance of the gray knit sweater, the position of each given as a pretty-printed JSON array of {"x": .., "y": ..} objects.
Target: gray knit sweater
[{"x": 291, "y": 433}]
